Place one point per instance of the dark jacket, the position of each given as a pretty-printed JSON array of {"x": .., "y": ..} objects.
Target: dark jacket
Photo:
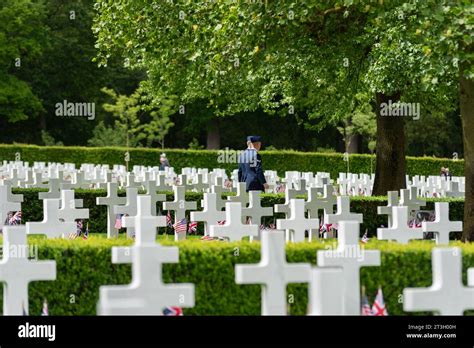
[{"x": 250, "y": 170}]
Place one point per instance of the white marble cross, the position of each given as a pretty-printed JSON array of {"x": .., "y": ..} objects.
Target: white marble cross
[
  {"x": 392, "y": 197},
  {"x": 296, "y": 224},
  {"x": 326, "y": 291},
  {"x": 447, "y": 295},
  {"x": 77, "y": 182},
  {"x": 69, "y": 211},
  {"x": 233, "y": 229},
  {"x": 209, "y": 215},
  {"x": 179, "y": 205},
  {"x": 442, "y": 226},
  {"x": 111, "y": 200},
  {"x": 285, "y": 207},
  {"x": 146, "y": 294},
  {"x": 350, "y": 256},
  {"x": 343, "y": 212},
  {"x": 273, "y": 272},
  {"x": 218, "y": 190},
  {"x": 409, "y": 198},
  {"x": 54, "y": 191},
  {"x": 51, "y": 226},
  {"x": 16, "y": 271},
  {"x": 400, "y": 231},
  {"x": 255, "y": 211},
  {"x": 161, "y": 184},
  {"x": 130, "y": 207},
  {"x": 151, "y": 189},
  {"x": 242, "y": 195},
  {"x": 326, "y": 203},
  {"x": 145, "y": 221}
]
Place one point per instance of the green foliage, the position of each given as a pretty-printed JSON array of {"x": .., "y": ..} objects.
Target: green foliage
[
  {"x": 125, "y": 110},
  {"x": 107, "y": 136},
  {"x": 22, "y": 38},
  {"x": 48, "y": 140},
  {"x": 210, "y": 266},
  {"x": 33, "y": 208},
  {"x": 194, "y": 145}
]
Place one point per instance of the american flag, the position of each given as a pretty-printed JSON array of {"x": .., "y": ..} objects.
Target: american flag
[
  {"x": 86, "y": 233},
  {"x": 192, "y": 227},
  {"x": 365, "y": 309},
  {"x": 78, "y": 232},
  {"x": 45, "y": 310},
  {"x": 118, "y": 221},
  {"x": 168, "y": 219},
  {"x": 172, "y": 311},
  {"x": 365, "y": 239},
  {"x": 180, "y": 226},
  {"x": 378, "y": 308},
  {"x": 221, "y": 222},
  {"x": 272, "y": 226}
]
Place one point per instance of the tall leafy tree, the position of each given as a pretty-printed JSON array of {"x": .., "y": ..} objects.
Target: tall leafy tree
[{"x": 22, "y": 39}]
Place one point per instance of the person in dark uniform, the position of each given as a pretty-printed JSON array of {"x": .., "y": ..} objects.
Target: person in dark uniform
[{"x": 250, "y": 166}]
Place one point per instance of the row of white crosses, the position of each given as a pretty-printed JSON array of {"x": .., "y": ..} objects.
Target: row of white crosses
[
  {"x": 398, "y": 214},
  {"x": 146, "y": 294},
  {"x": 334, "y": 286}
]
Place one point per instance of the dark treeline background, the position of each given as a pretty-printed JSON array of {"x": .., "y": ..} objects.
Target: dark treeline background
[{"x": 56, "y": 47}]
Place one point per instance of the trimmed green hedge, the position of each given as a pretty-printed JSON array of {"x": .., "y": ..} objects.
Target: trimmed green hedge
[
  {"x": 83, "y": 266},
  {"x": 33, "y": 208},
  {"x": 280, "y": 161}
]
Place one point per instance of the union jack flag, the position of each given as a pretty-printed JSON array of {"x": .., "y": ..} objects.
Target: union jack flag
[
  {"x": 172, "y": 311},
  {"x": 180, "y": 226},
  {"x": 365, "y": 239},
  {"x": 14, "y": 218},
  {"x": 192, "y": 227},
  {"x": 378, "y": 308},
  {"x": 366, "y": 310}
]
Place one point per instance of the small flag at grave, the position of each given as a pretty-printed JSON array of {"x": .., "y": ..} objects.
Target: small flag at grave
[
  {"x": 221, "y": 222},
  {"x": 378, "y": 308},
  {"x": 180, "y": 226},
  {"x": 365, "y": 239},
  {"x": 45, "y": 311},
  {"x": 86, "y": 233},
  {"x": 192, "y": 227},
  {"x": 14, "y": 218},
  {"x": 172, "y": 311},
  {"x": 366, "y": 311},
  {"x": 168, "y": 219},
  {"x": 118, "y": 221}
]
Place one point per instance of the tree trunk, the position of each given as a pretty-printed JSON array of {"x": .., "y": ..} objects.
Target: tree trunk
[
  {"x": 466, "y": 100},
  {"x": 213, "y": 135},
  {"x": 354, "y": 141},
  {"x": 390, "y": 168}
]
